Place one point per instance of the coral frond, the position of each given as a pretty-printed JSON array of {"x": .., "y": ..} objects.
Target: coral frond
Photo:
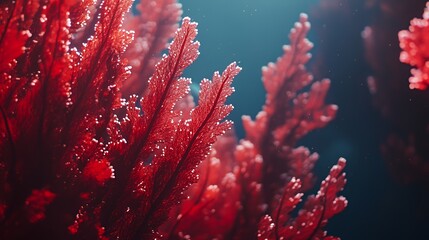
[
  {"x": 154, "y": 25},
  {"x": 313, "y": 217}
]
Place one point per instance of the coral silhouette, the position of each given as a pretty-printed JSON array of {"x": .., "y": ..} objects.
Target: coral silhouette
[{"x": 78, "y": 161}]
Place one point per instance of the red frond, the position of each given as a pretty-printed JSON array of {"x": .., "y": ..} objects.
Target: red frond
[
  {"x": 56, "y": 105},
  {"x": 147, "y": 133},
  {"x": 318, "y": 209},
  {"x": 274, "y": 227},
  {"x": 164, "y": 91},
  {"x": 211, "y": 208},
  {"x": 191, "y": 145},
  {"x": 77, "y": 161},
  {"x": 282, "y": 80},
  {"x": 313, "y": 217},
  {"x": 154, "y": 25},
  {"x": 289, "y": 113},
  {"x": 415, "y": 52},
  {"x": 14, "y": 33},
  {"x": 80, "y": 14},
  {"x": 249, "y": 175},
  {"x": 302, "y": 166}
]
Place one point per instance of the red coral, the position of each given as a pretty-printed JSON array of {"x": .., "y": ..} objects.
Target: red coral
[
  {"x": 77, "y": 161},
  {"x": 270, "y": 143},
  {"x": 154, "y": 26},
  {"x": 313, "y": 216},
  {"x": 415, "y": 51},
  {"x": 288, "y": 115},
  {"x": 211, "y": 207},
  {"x": 56, "y": 103},
  {"x": 12, "y": 34}
]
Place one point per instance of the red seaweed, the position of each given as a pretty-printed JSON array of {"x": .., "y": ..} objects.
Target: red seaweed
[{"x": 81, "y": 159}]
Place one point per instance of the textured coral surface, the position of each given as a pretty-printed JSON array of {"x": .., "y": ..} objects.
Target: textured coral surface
[{"x": 100, "y": 137}]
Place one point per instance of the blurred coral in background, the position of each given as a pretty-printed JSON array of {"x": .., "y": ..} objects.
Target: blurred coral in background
[
  {"x": 360, "y": 38},
  {"x": 406, "y": 149},
  {"x": 415, "y": 46},
  {"x": 80, "y": 158}
]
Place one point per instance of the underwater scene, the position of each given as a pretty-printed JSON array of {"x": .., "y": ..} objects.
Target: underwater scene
[{"x": 227, "y": 119}]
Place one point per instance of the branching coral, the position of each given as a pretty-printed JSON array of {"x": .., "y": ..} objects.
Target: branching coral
[
  {"x": 78, "y": 161},
  {"x": 267, "y": 170},
  {"x": 414, "y": 43}
]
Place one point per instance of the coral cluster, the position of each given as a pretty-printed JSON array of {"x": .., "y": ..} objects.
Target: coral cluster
[
  {"x": 81, "y": 159},
  {"x": 415, "y": 45}
]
